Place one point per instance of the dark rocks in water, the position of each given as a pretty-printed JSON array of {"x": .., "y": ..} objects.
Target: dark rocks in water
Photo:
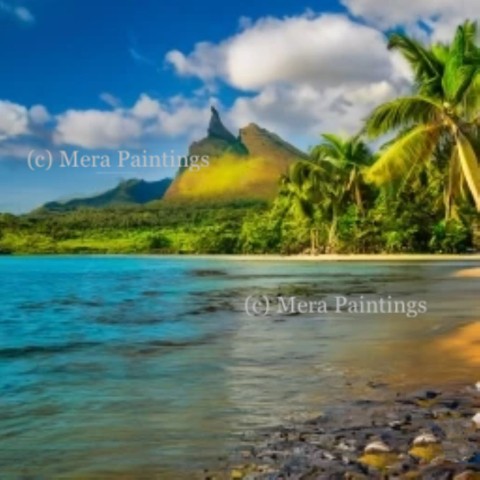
[
  {"x": 397, "y": 438},
  {"x": 208, "y": 273}
]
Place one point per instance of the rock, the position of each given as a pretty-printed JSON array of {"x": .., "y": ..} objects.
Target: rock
[
  {"x": 377, "y": 447},
  {"x": 476, "y": 420},
  {"x": 467, "y": 475},
  {"x": 347, "y": 445},
  {"x": 378, "y": 461},
  {"x": 217, "y": 129},
  {"x": 378, "y": 455},
  {"x": 236, "y": 474},
  {"x": 440, "y": 471},
  {"x": 425, "y": 439},
  {"x": 427, "y": 452}
]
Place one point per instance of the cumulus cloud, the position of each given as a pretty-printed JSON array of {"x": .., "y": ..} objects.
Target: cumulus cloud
[
  {"x": 327, "y": 72},
  {"x": 13, "y": 120},
  {"x": 96, "y": 129},
  {"x": 146, "y": 107},
  {"x": 310, "y": 111},
  {"x": 39, "y": 115},
  {"x": 441, "y": 16},
  {"x": 206, "y": 62},
  {"x": 147, "y": 119},
  {"x": 321, "y": 51}
]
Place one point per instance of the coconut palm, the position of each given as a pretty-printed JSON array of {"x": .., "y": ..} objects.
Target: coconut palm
[
  {"x": 325, "y": 182},
  {"x": 349, "y": 156},
  {"x": 296, "y": 188},
  {"x": 443, "y": 109}
]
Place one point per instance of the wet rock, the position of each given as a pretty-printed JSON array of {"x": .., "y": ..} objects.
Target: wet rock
[
  {"x": 476, "y": 420},
  {"x": 426, "y": 448},
  {"x": 378, "y": 455},
  {"x": 467, "y": 475},
  {"x": 377, "y": 447},
  {"x": 397, "y": 439}
]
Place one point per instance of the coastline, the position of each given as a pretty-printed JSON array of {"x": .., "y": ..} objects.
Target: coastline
[
  {"x": 361, "y": 257},
  {"x": 373, "y": 257}
]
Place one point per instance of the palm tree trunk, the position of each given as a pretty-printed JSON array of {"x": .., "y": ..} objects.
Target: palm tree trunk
[
  {"x": 470, "y": 168},
  {"x": 358, "y": 197},
  {"x": 332, "y": 234}
]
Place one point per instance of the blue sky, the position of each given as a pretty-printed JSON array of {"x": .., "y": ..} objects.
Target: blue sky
[{"x": 99, "y": 76}]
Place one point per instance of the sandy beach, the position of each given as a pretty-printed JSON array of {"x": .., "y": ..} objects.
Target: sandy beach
[{"x": 381, "y": 257}]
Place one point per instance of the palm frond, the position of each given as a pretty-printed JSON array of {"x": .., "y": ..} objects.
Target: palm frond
[
  {"x": 401, "y": 113},
  {"x": 426, "y": 66},
  {"x": 399, "y": 158}
]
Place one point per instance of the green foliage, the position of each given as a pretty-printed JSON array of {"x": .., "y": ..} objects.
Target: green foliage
[{"x": 450, "y": 237}]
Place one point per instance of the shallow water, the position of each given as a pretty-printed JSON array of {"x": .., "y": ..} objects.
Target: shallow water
[{"x": 111, "y": 367}]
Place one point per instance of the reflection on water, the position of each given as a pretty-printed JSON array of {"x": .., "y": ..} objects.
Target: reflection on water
[
  {"x": 114, "y": 367},
  {"x": 463, "y": 344}
]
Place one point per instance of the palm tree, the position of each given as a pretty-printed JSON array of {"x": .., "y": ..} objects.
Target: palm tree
[
  {"x": 325, "y": 182},
  {"x": 297, "y": 190},
  {"x": 349, "y": 155},
  {"x": 443, "y": 110}
]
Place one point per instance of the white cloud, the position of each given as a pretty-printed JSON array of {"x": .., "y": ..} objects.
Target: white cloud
[
  {"x": 184, "y": 117},
  {"x": 22, "y": 14},
  {"x": 146, "y": 107},
  {"x": 97, "y": 129},
  {"x": 13, "y": 120},
  {"x": 148, "y": 119},
  {"x": 310, "y": 111},
  {"x": 39, "y": 115},
  {"x": 309, "y": 73},
  {"x": 322, "y": 51},
  {"x": 442, "y": 16},
  {"x": 205, "y": 62}
]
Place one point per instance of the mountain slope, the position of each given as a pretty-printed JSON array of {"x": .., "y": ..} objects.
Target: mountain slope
[
  {"x": 125, "y": 193},
  {"x": 245, "y": 167}
]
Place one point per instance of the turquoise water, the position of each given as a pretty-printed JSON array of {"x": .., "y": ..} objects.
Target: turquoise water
[{"x": 112, "y": 367}]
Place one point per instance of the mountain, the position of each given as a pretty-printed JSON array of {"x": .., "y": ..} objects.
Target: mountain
[
  {"x": 128, "y": 192},
  {"x": 219, "y": 140},
  {"x": 248, "y": 166}
]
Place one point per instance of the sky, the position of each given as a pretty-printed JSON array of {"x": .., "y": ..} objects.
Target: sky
[{"x": 139, "y": 77}]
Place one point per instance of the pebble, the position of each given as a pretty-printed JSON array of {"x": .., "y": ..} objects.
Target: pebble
[
  {"x": 476, "y": 420},
  {"x": 398, "y": 437},
  {"x": 425, "y": 439},
  {"x": 377, "y": 447}
]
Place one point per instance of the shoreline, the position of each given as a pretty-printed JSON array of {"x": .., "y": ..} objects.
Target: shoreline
[{"x": 327, "y": 258}]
